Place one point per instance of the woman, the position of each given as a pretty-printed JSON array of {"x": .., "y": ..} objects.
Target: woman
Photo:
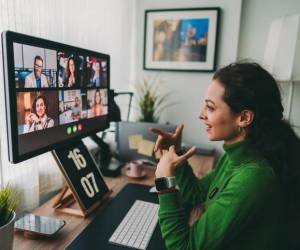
[
  {"x": 98, "y": 108},
  {"x": 38, "y": 118},
  {"x": 249, "y": 201},
  {"x": 70, "y": 73},
  {"x": 96, "y": 79}
]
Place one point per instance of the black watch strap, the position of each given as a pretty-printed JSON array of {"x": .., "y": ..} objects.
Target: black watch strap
[{"x": 163, "y": 183}]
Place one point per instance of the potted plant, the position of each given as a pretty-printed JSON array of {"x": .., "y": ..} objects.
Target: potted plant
[
  {"x": 151, "y": 102},
  {"x": 8, "y": 202}
]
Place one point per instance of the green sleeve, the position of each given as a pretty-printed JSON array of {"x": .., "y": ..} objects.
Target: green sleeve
[
  {"x": 224, "y": 217},
  {"x": 192, "y": 189}
]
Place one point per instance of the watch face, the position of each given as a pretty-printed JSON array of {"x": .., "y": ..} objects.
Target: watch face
[{"x": 161, "y": 184}]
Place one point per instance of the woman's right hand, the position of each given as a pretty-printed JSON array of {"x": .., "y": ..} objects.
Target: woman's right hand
[
  {"x": 165, "y": 139},
  {"x": 30, "y": 118}
]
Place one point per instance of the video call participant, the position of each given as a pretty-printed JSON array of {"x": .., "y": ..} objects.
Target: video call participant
[
  {"x": 70, "y": 79},
  {"x": 97, "y": 79},
  {"x": 76, "y": 109},
  {"x": 37, "y": 79},
  {"x": 38, "y": 118},
  {"x": 97, "y": 108}
]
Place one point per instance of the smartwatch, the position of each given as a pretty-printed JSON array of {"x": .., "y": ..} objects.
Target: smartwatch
[{"x": 164, "y": 183}]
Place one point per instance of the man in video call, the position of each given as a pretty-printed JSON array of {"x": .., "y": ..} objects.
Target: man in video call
[
  {"x": 37, "y": 79},
  {"x": 76, "y": 109}
]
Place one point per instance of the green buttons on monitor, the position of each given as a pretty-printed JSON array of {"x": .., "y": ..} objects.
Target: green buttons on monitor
[
  {"x": 69, "y": 130},
  {"x": 74, "y": 128}
]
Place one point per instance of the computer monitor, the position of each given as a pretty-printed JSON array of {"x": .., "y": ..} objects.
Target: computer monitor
[
  {"x": 136, "y": 142},
  {"x": 54, "y": 94}
]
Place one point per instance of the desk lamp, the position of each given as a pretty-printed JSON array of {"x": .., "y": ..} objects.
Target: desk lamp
[{"x": 110, "y": 166}]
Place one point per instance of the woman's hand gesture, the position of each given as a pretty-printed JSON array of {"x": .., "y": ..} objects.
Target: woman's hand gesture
[
  {"x": 170, "y": 161},
  {"x": 30, "y": 118},
  {"x": 165, "y": 139}
]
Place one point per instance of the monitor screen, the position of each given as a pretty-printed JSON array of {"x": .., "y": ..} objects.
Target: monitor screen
[{"x": 54, "y": 93}]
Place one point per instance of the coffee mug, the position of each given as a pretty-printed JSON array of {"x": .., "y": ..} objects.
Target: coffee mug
[{"x": 135, "y": 169}]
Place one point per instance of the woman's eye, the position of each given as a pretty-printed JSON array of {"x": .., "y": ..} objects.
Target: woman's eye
[{"x": 210, "y": 108}]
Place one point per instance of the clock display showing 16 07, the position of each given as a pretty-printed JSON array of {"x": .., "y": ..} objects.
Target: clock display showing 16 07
[{"x": 81, "y": 174}]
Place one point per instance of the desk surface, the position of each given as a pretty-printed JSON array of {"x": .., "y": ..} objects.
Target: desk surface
[
  {"x": 75, "y": 225},
  {"x": 108, "y": 220}
]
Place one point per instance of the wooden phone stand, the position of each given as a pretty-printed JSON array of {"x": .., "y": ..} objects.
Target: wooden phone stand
[{"x": 65, "y": 203}]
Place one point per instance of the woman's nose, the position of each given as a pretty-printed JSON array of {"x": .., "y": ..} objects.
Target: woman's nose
[{"x": 202, "y": 115}]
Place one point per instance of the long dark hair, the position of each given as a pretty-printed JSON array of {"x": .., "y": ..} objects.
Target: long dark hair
[
  {"x": 67, "y": 70},
  {"x": 97, "y": 91},
  {"x": 249, "y": 86}
]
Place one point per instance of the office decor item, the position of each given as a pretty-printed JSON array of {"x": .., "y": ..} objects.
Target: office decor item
[
  {"x": 181, "y": 39},
  {"x": 8, "y": 203},
  {"x": 135, "y": 169},
  {"x": 85, "y": 184},
  {"x": 150, "y": 101}
]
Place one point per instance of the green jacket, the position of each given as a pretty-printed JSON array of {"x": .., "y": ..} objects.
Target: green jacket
[{"x": 242, "y": 200}]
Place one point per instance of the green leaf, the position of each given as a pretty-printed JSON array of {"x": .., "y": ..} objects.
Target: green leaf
[
  {"x": 151, "y": 102},
  {"x": 8, "y": 202}
]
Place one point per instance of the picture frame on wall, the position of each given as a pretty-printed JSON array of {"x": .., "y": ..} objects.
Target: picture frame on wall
[{"x": 181, "y": 39}]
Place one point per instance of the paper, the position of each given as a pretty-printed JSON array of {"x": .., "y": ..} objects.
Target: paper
[
  {"x": 134, "y": 141},
  {"x": 146, "y": 147},
  {"x": 158, "y": 154}
]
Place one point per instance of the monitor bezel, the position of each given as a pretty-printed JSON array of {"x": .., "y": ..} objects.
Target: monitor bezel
[{"x": 8, "y": 38}]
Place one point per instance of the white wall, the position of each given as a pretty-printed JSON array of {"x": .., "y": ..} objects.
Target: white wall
[
  {"x": 189, "y": 88},
  {"x": 257, "y": 16}
]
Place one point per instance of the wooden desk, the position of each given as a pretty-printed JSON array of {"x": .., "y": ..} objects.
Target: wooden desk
[{"x": 74, "y": 225}]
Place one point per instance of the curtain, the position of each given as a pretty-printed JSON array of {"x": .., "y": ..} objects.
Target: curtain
[
  {"x": 39, "y": 175},
  {"x": 104, "y": 26}
]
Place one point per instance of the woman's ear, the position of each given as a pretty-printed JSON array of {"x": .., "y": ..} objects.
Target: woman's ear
[{"x": 246, "y": 117}]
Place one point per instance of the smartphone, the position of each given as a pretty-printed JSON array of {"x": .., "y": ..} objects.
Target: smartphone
[{"x": 40, "y": 225}]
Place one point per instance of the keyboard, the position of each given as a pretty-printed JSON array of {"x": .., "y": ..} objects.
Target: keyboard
[{"x": 137, "y": 227}]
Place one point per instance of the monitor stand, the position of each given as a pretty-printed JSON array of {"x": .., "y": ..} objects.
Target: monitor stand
[
  {"x": 113, "y": 169},
  {"x": 108, "y": 164}
]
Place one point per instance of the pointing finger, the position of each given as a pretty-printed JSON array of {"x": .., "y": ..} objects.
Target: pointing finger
[
  {"x": 158, "y": 143},
  {"x": 179, "y": 129},
  {"x": 157, "y": 131}
]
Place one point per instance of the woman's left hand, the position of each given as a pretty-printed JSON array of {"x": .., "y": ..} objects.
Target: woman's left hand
[{"x": 170, "y": 161}]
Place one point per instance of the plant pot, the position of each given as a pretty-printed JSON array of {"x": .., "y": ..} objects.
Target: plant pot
[{"x": 7, "y": 234}]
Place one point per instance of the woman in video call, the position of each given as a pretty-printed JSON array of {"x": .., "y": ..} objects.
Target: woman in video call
[
  {"x": 250, "y": 200},
  {"x": 97, "y": 108},
  {"x": 70, "y": 80},
  {"x": 96, "y": 79},
  {"x": 38, "y": 118}
]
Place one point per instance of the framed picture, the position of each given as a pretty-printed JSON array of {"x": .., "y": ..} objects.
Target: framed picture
[{"x": 181, "y": 39}]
